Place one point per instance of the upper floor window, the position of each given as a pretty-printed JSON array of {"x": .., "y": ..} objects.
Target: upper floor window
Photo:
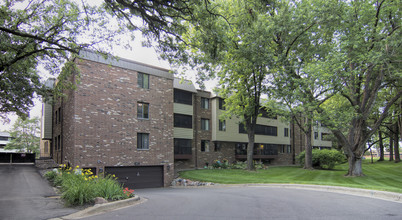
[
  {"x": 142, "y": 110},
  {"x": 204, "y": 103},
  {"x": 143, "y": 80},
  {"x": 261, "y": 130},
  {"x": 183, "y": 97},
  {"x": 221, "y": 104},
  {"x": 204, "y": 124},
  {"x": 286, "y": 132},
  {"x": 183, "y": 121},
  {"x": 266, "y": 113},
  {"x": 222, "y": 125},
  {"x": 142, "y": 141},
  {"x": 315, "y": 135}
]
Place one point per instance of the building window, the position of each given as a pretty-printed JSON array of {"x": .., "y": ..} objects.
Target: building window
[
  {"x": 286, "y": 132},
  {"x": 59, "y": 115},
  {"x": 204, "y": 146},
  {"x": 46, "y": 147},
  {"x": 142, "y": 110},
  {"x": 221, "y": 104},
  {"x": 325, "y": 137},
  {"x": 222, "y": 125},
  {"x": 266, "y": 113},
  {"x": 183, "y": 121},
  {"x": 56, "y": 117},
  {"x": 204, "y": 103},
  {"x": 218, "y": 146},
  {"x": 57, "y": 142},
  {"x": 315, "y": 135},
  {"x": 142, "y": 141},
  {"x": 288, "y": 149},
  {"x": 204, "y": 124},
  {"x": 183, "y": 97},
  {"x": 260, "y": 129},
  {"x": 143, "y": 80},
  {"x": 182, "y": 146},
  {"x": 281, "y": 149}
]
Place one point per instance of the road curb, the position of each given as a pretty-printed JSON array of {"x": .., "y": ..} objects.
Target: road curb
[
  {"x": 389, "y": 196},
  {"x": 103, "y": 208}
]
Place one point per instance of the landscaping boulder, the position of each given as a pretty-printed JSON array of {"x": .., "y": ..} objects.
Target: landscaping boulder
[{"x": 100, "y": 200}]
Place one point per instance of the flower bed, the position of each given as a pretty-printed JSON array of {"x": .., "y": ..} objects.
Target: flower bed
[{"x": 81, "y": 186}]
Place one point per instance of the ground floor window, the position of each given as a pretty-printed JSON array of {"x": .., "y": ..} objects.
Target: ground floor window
[
  {"x": 217, "y": 146},
  {"x": 182, "y": 146},
  {"x": 204, "y": 146}
]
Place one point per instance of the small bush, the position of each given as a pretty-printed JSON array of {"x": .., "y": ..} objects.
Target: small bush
[
  {"x": 224, "y": 164},
  {"x": 239, "y": 165},
  {"x": 324, "y": 159},
  {"x": 51, "y": 175},
  {"x": 81, "y": 187},
  {"x": 243, "y": 165},
  {"x": 110, "y": 189}
]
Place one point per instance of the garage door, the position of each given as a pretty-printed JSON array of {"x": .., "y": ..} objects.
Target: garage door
[{"x": 138, "y": 177}]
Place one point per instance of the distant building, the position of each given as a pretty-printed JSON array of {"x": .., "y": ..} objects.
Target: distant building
[{"x": 5, "y": 138}]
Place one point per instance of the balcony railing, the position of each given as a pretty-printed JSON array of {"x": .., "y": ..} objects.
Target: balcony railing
[{"x": 182, "y": 152}]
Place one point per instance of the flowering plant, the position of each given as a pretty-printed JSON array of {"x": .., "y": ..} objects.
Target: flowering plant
[{"x": 128, "y": 192}]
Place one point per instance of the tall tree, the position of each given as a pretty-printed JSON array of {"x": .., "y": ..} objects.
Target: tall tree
[
  {"x": 300, "y": 43},
  {"x": 25, "y": 135},
  {"x": 366, "y": 62},
  {"x": 227, "y": 43}
]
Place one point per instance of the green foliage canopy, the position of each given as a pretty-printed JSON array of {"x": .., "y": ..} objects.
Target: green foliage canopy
[
  {"x": 25, "y": 135},
  {"x": 45, "y": 33}
]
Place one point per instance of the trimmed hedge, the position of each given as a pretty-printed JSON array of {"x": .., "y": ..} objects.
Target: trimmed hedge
[{"x": 324, "y": 159}]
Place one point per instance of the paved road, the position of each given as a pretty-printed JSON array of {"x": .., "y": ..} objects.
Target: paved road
[
  {"x": 253, "y": 203},
  {"x": 24, "y": 194}
]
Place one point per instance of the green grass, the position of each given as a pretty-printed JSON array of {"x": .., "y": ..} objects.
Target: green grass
[{"x": 385, "y": 176}]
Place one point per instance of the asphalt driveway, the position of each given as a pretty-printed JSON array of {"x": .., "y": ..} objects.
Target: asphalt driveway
[
  {"x": 24, "y": 194},
  {"x": 253, "y": 202}
]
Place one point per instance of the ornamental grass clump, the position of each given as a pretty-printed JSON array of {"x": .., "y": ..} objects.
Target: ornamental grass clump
[{"x": 81, "y": 186}]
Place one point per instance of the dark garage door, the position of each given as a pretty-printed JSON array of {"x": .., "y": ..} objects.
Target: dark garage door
[{"x": 138, "y": 177}]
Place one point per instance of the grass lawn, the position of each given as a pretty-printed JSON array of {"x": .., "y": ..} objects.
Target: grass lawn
[{"x": 385, "y": 176}]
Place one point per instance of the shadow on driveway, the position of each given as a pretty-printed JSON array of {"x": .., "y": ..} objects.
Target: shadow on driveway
[{"x": 24, "y": 194}]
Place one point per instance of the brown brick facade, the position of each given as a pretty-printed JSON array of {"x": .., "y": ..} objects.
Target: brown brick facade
[{"x": 100, "y": 124}]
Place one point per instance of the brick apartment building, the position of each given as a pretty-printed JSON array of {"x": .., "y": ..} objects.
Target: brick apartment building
[{"x": 140, "y": 123}]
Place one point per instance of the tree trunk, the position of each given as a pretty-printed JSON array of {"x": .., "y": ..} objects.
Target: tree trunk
[
  {"x": 250, "y": 152},
  {"x": 391, "y": 148},
  {"x": 396, "y": 145},
  {"x": 381, "y": 146},
  {"x": 308, "y": 160},
  {"x": 355, "y": 165},
  {"x": 250, "y": 126}
]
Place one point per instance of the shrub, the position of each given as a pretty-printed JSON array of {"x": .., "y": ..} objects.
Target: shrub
[
  {"x": 324, "y": 159},
  {"x": 110, "y": 189},
  {"x": 81, "y": 187},
  {"x": 243, "y": 165},
  {"x": 224, "y": 164},
  {"x": 239, "y": 165},
  {"x": 51, "y": 175}
]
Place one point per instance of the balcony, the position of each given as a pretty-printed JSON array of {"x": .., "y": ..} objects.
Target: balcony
[
  {"x": 261, "y": 151},
  {"x": 182, "y": 153}
]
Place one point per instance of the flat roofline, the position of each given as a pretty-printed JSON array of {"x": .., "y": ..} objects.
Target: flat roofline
[{"x": 126, "y": 63}]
